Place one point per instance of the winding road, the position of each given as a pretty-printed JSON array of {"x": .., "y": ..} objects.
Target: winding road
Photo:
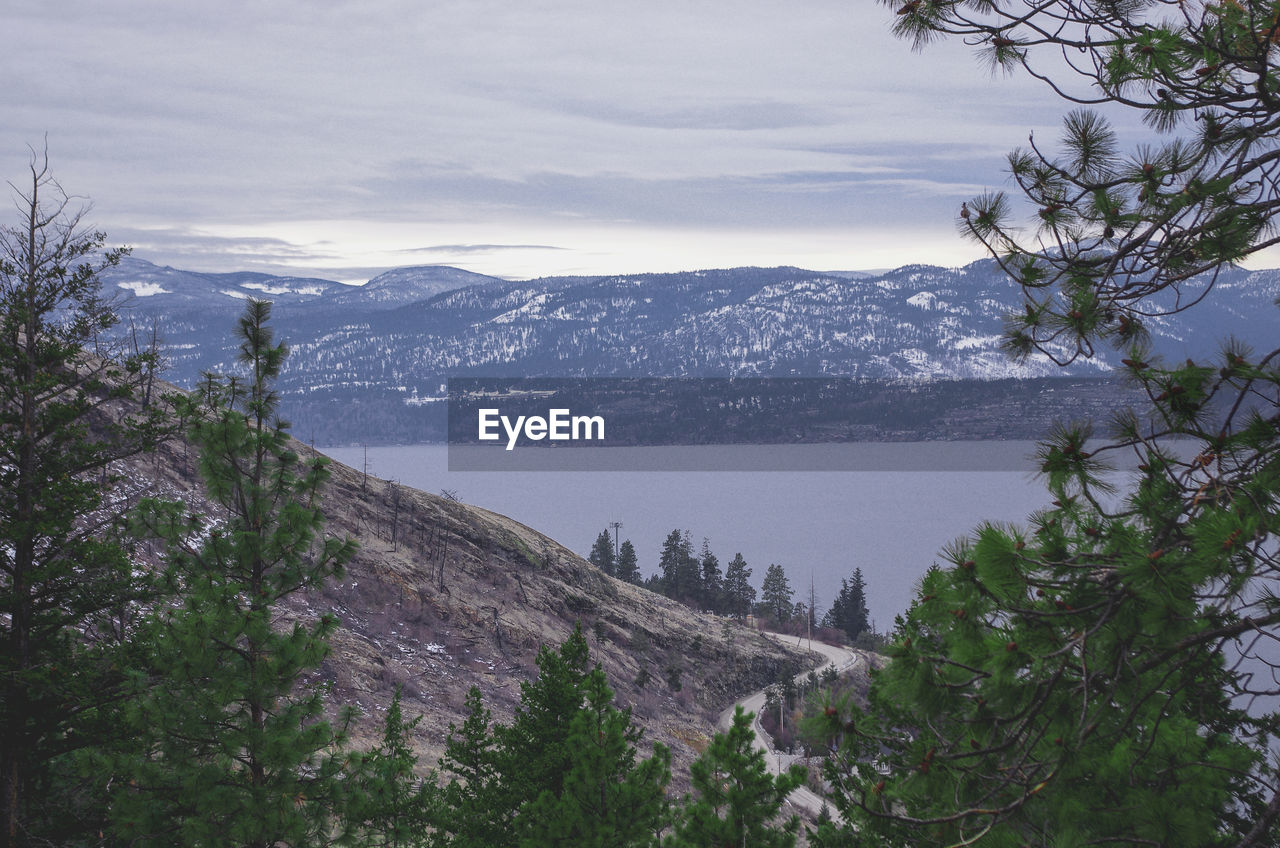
[{"x": 841, "y": 659}]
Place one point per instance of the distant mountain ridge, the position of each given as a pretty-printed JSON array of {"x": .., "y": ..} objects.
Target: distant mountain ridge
[
  {"x": 172, "y": 288},
  {"x": 394, "y": 341},
  {"x": 402, "y": 286}
]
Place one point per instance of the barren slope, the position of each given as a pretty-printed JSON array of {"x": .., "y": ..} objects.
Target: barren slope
[{"x": 443, "y": 596}]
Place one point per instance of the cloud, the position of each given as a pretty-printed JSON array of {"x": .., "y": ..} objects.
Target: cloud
[
  {"x": 194, "y": 249},
  {"x": 477, "y": 248},
  {"x": 271, "y": 134}
]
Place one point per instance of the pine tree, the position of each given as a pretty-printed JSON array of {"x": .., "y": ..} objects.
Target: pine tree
[
  {"x": 388, "y": 806},
  {"x": 835, "y": 616},
  {"x": 232, "y": 747},
  {"x": 678, "y": 567},
  {"x": 602, "y": 554},
  {"x": 857, "y": 619},
  {"x": 564, "y": 772},
  {"x": 535, "y": 745},
  {"x": 477, "y": 806},
  {"x": 608, "y": 798},
  {"x": 65, "y": 575},
  {"x": 1073, "y": 681},
  {"x": 776, "y": 592},
  {"x": 849, "y": 610},
  {"x": 628, "y": 568},
  {"x": 740, "y": 595},
  {"x": 735, "y": 798},
  {"x": 712, "y": 585}
]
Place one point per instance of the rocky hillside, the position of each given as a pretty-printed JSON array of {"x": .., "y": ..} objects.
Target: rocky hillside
[{"x": 444, "y": 595}]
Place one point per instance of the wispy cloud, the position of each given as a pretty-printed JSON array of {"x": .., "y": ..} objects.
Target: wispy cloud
[{"x": 477, "y": 248}]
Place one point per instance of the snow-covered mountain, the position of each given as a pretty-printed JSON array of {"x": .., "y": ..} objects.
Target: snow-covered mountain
[
  {"x": 399, "y": 336},
  {"x": 170, "y": 289},
  {"x": 401, "y": 286}
]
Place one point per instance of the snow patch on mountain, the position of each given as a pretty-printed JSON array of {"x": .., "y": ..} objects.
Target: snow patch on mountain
[
  {"x": 311, "y": 291},
  {"x": 924, "y": 300},
  {"x": 143, "y": 288}
]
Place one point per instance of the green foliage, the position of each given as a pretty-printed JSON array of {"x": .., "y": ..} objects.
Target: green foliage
[
  {"x": 735, "y": 798},
  {"x": 1053, "y": 684},
  {"x": 1118, "y": 238},
  {"x": 601, "y": 555},
  {"x": 628, "y": 567},
  {"x": 740, "y": 595},
  {"x": 775, "y": 593},
  {"x": 563, "y": 773},
  {"x": 537, "y": 739},
  {"x": 67, "y": 590},
  {"x": 712, "y": 581},
  {"x": 232, "y": 748},
  {"x": 387, "y": 806},
  {"x": 697, "y": 581},
  {"x": 674, "y": 682},
  {"x": 477, "y": 808},
  {"x": 681, "y": 577},
  {"x": 849, "y": 609},
  {"x": 607, "y": 799},
  {"x": 1094, "y": 677}
]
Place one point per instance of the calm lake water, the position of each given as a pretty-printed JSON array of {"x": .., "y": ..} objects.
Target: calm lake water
[{"x": 891, "y": 521}]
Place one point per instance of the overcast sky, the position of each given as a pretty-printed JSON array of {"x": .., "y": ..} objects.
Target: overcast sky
[{"x": 516, "y": 139}]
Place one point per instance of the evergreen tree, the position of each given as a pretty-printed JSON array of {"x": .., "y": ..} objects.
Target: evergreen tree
[
  {"x": 535, "y": 745},
  {"x": 564, "y": 772},
  {"x": 628, "y": 568},
  {"x": 827, "y": 834},
  {"x": 681, "y": 577},
  {"x": 608, "y": 798},
  {"x": 1068, "y": 682},
  {"x": 735, "y": 798},
  {"x": 834, "y": 617},
  {"x": 389, "y": 807},
  {"x": 858, "y": 620},
  {"x": 849, "y": 610},
  {"x": 740, "y": 595},
  {"x": 602, "y": 554},
  {"x": 775, "y": 593},
  {"x": 232, "y": 748},
  {"x": 712, "y": 581},
  {"x": 65, "y": 576},
  {"x": 477, "y": 807}
]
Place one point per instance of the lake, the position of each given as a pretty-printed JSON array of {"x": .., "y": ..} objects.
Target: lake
[{"x": 891, "y": 519}]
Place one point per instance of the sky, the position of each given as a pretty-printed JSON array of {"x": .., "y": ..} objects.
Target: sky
[{"x": 335, "y": 139}]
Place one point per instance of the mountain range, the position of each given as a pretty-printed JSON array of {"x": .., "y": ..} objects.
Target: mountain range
[{"x": 376, "y": 352}]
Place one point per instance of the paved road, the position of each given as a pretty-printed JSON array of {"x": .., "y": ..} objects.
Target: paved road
[{"x": 838, "y": 658}]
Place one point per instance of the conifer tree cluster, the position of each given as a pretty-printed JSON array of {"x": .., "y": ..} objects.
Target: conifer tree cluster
[
  {"x": 619, "y": 561},
  {"x": 696, "y": 579},
  {"x": 566, "y": 771},
  {"x": 848, "y": 611},
  {"x": 168, "y": 706}
]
